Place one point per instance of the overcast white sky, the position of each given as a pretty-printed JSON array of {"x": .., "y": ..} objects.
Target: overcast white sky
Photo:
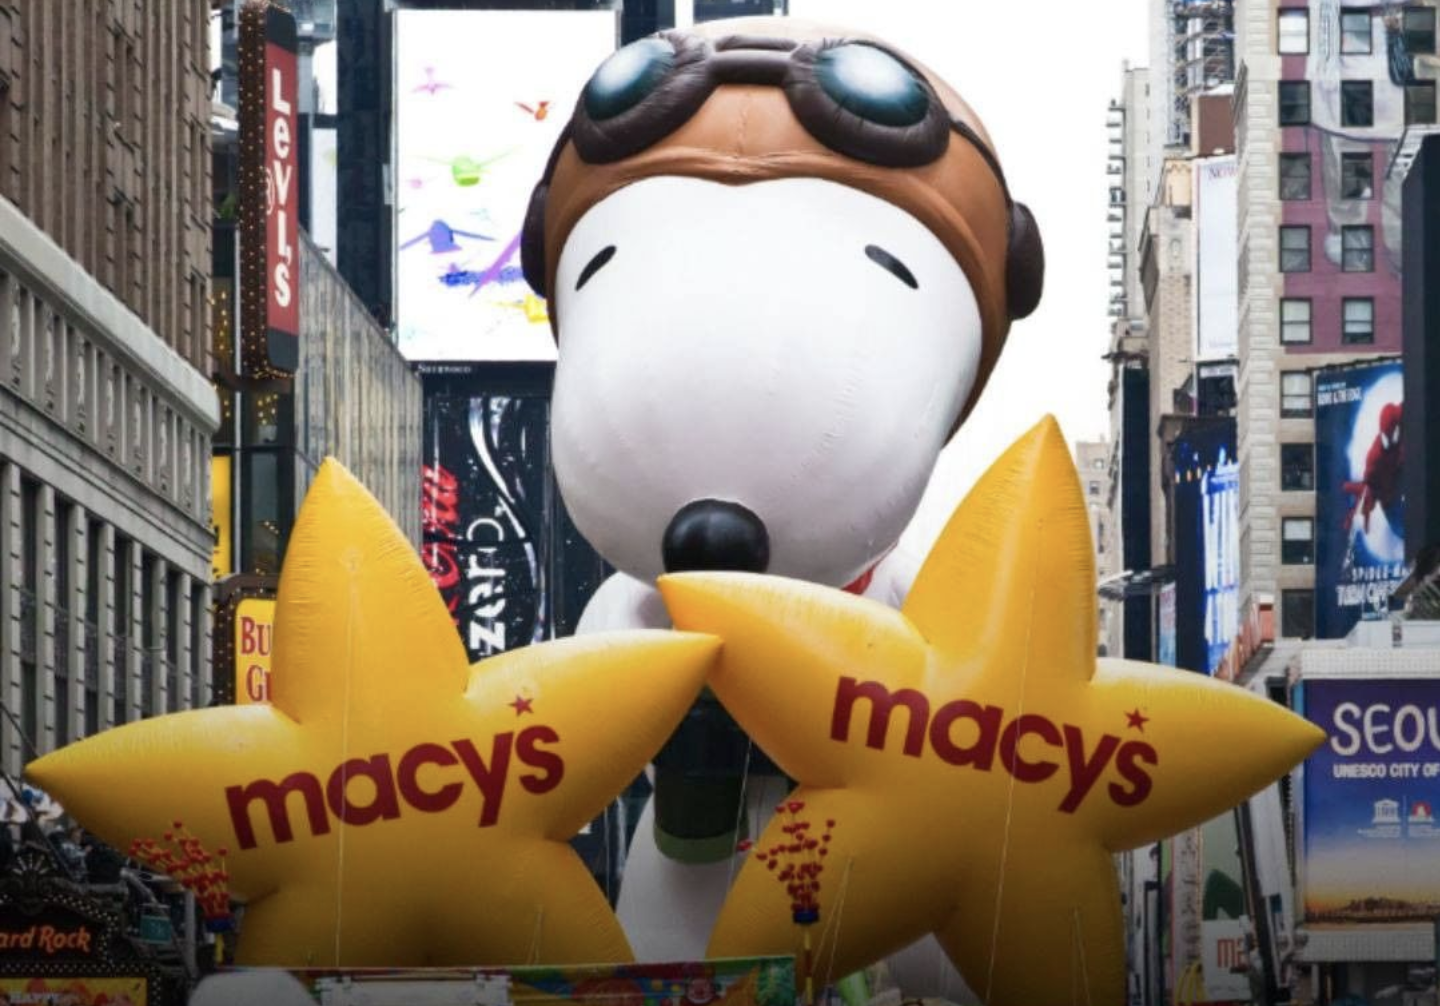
[{"x": 1040, "y": 75}]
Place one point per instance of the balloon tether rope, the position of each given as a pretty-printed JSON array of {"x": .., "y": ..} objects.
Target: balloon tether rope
[
  {"x": 835, "y": 923},
  {"x": 1010, "y": 792},
  {"x": 740, "y": 810},
  {"x": 1080, "y": 947},
  {"x": 351, "y": 562}
]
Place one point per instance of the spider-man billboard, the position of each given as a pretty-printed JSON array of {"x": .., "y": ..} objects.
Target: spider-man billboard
[{"x": 1359, "y": 497}]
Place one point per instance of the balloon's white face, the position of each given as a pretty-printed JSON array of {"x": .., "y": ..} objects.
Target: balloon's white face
[{"x": 796, "y": 346}]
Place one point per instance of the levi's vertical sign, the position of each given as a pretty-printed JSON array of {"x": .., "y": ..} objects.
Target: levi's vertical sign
[{"x": 269, "y": 192}]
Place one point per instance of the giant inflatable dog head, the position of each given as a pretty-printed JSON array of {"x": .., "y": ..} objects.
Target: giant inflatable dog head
[{"x": 781, "y": 267}]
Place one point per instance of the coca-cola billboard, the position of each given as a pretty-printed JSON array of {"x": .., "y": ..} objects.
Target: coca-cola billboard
[{"x": 494, "y": 535}]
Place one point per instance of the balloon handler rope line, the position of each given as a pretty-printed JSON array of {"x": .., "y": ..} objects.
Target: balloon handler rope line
[
  {"x": 797, "y": 862},
  {"x": 181, "y": 857}
]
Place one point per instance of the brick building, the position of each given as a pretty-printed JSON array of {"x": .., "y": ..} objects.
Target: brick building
[{"x": 106, "y": 410}]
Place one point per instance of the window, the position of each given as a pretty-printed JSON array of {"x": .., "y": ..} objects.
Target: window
[
  {"x": 1419, "y": 30},
  {"x": 1357, "y": 249},
  {"x": 1297, "y": 541},
  {"x": 1294, "y": 395},
  {"x": 1294, "y": 320},
  {"x": 1094, "y": 488},
  {"x": 1359, "y": 313},
  {"x": 1420, "y": 103},
  {"x": 1297, "y": 613},
  {"x": 124, "y": 585},
  {"x": 148, "y": 615},
  {"x": 1294, "y": 31},
  {"x": 1295, "y": 249},
  {"x": 1357, "y": 103},
  {"x": 1357, "y": 176},
  {"x": 1355, "y": 31},
  {"x": 1297, "y": 466},
  {"x": 1294, "y": 102},
  {"x": 1294, "y": 176}
]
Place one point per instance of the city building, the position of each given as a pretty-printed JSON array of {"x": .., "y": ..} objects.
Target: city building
[
  {"x": 1324, "y": 97},
  {"x": 1092, "y": 461},
  {"x": 1125, "y": 593},
  {"x": 106, "y": 410}
]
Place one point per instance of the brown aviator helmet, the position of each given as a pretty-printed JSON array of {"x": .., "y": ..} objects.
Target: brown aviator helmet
[{"x": 755, "y": 99}]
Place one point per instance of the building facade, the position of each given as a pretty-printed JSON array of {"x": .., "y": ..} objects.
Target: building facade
[
  {"x": 105, "y": 408},
  {"x": 1324, "y": 98}
]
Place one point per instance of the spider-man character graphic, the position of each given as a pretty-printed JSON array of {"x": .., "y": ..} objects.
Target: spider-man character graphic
[{"x": 1381, "y": 482}]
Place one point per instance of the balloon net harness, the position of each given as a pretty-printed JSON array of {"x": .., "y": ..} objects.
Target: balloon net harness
[
  {"x": 797, "y": 861},
  {"x": 182, "y": 857}
]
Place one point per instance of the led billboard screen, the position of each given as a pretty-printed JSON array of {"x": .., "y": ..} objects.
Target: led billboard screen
[{"x": 480, "y": 98}]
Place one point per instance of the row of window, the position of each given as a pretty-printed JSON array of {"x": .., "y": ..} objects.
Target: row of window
[
  {"x": 1357, "y": 103},
  {"x": 1357, "y": 36},
  {"x": 1357, "y": 248},
  {"x": 1357, "y": 324},
  {"x": 160, "y": 600},
  {"x": 1357, "y": 176}
]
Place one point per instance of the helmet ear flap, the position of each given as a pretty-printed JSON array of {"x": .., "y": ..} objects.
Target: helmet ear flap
[
  {"x": 532, "y": 238},
  {"x": 1024, "y": 263}
]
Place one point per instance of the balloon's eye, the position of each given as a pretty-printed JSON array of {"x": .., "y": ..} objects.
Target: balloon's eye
[
  {"x": 627, "y": 78},
  {"x": 872, "y": 84}
]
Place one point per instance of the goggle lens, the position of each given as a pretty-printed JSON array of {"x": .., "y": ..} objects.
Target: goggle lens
[
  {"x": 871, "y": 84},
  {"x": 627, "y": 78}
]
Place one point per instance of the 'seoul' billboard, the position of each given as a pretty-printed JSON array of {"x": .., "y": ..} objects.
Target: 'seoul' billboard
[
  {"x": 1371, "y": 844},
  {"x": 480, "y": 98},
  {"x": 1359, "y": 497}
]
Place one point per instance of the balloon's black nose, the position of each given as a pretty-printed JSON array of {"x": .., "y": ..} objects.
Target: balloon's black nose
[{"x": 714, "y": 534}]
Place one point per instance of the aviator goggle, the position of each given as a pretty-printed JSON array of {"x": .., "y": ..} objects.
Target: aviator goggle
[{"x": 857, "y": 98}]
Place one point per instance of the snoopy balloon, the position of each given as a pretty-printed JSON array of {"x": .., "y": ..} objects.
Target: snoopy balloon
[{"x": 781, "y": 264}]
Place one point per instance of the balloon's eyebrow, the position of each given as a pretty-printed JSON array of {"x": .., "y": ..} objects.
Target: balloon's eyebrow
[
  {"x": 892, "y": 265},
  {"x": 595, "y": 265}
]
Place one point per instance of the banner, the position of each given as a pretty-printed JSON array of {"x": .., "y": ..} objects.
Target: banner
[
  {"x": 1359, "y": 497},
  {"x": 759, "y": 981},
  {"x": 480, "y": 99},
  {"x": 254, "y": 641},
  {"x": 1371, "y": 845},
  {"x": 1206, "y": 513},
  {"x": 269, "y": 189},
  {"x": 1166, "y": 651},
  {"x": 75, "y": 991},
  {"x": 483, "y": 511},
  {"x": 222, "y": 559}
]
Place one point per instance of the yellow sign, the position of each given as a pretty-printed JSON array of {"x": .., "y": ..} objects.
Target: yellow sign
[
  {"x": 222, "y": 559},
  {"x": 75, "y": 991},
  {"x": 254, "y": 641}
]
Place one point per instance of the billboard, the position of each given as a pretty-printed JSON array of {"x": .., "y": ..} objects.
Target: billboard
[
  {"x": 254, "y": 642},
  {"x": 269, "y": 190},
  {"x": 1371, "y": 844},
  {"x": 1359, "y": 497},
  {"x": 75, "y": 991},
  {"x": 480, "y": 98},
  {"x": 1216, "y": 304},
  {"x": 1205, "y": 509},
  {"x": 222, "y": 556},
  {"x": 494, "y": 536}
]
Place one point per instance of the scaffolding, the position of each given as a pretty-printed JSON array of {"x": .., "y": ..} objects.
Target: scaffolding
[
  {"x": 1202, "y": 57},
  {"x": 1115, "y": 213}
]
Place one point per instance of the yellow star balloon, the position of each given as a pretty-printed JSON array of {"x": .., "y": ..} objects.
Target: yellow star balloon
[
  {"x": 974, "y": 765},
  {"x": 396, "y": 806}
]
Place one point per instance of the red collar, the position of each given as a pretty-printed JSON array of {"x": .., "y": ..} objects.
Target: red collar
[{"x": 862, "y": 582}]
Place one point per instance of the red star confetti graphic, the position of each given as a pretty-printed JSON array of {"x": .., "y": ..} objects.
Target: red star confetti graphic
[
  {"x": 1136, "y": 719},
  {"x": 522, "y": 705}
]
